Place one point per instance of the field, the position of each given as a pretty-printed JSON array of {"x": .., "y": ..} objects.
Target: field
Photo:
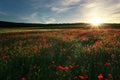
[{"x": 70, "y": 54}]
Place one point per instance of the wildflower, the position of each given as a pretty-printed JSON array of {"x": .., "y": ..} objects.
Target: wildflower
[
  {"x": 23, "y": 78},
  {"x": 20, "y": 44},
  {"x": 66, "y": 68},
  {"x": 113, "y": 55},
  {"x": 95, "y": 48},
  {"x": 1, "y": 50},
  {"x": 51, "y": 45},
  {"x": 37, "y": 48},
  {"x": 26, "y": 51},
  {"x": 61, "y": 68},
  {"x": 5, "y": 57},
  {"x": 56, "y": 79},
  {"x": 105, "y": 79},
  {"x": 44, "y": 39},
  {"x": 86, "y": 76},
  {"x": 53, "y": 62},
  {"x": 75, "y": 77},
  {"x": 108, "y": 64},
  {"x": 57, "y": 73},
  {"x": 49, "y": 67},
  {"x": 109, "y": 75},
  {"x": 60, "y": 47},
  {"x": 64, "y": 75},
  {"x": 36, "y": 42},
  {"x": 69, "y": 57},
  {"x": 115, "y": 61},
  {"x": 70, "y": 66},
  {"x": 11, "y": 36},
  {"x": 3, "y": 39},
  {"x": 34, "y": 67},
  {"x": 6, "y": 47},
  {"x": 100, "y": 77},
  {"x": 81, "y": 77}
]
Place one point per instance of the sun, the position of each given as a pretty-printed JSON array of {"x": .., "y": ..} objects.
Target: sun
[{"x": 96, "y": 21}]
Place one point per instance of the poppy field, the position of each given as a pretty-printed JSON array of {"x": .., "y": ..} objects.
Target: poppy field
[{"x": 70, "y": 54}]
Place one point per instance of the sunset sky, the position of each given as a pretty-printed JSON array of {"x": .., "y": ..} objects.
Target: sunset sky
[{"x": 59, "y": 11}]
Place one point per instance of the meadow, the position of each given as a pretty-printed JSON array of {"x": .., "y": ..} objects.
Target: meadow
[{"x": 70, "y": 54}]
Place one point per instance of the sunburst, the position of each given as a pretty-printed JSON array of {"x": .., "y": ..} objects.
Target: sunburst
[{"x": 96, "y": 21}]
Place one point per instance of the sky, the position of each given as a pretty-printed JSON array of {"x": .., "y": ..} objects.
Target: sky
[{"x": 59, "y": 11}]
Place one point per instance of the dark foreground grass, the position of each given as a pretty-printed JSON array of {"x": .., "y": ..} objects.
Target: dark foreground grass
[{"x": 60, "y": 55}]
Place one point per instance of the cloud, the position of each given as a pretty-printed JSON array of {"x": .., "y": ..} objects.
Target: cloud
[
  {"x": 60, "y": 9},
  {"x": 37, "y": 4},
  {"x": 105, "y": 9},
  {"x": 35, "y": 18},
  {"x": 68, "y": 2},
  {"x": 83, "y": 10},
  {"x": 32, "y": 18},
  {"x": 49, "y": 20},
  {"x": 63, "y": 5}
]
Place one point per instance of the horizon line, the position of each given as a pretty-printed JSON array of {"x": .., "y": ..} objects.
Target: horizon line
[{"x": 59, "y": 22}]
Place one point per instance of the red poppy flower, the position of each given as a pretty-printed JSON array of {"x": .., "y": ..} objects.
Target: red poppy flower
[
  {"x": 81, "y": 77},
  {"x": 5, "y": 57},
  {"x": 109, "y": 75},
  {"x": 61, "y": 68},
  {"x": 100, "y": 77},
  {"x": 113, "y": 55},
  {"x": 70, "y": 66},
  {"x": 34, "y": 67},
  {"x": 69, "y": 57},
  {"x": 23, "y": 78},
  {"x": 1, "y": 50},
  {"x": 66, "y": 68}
]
